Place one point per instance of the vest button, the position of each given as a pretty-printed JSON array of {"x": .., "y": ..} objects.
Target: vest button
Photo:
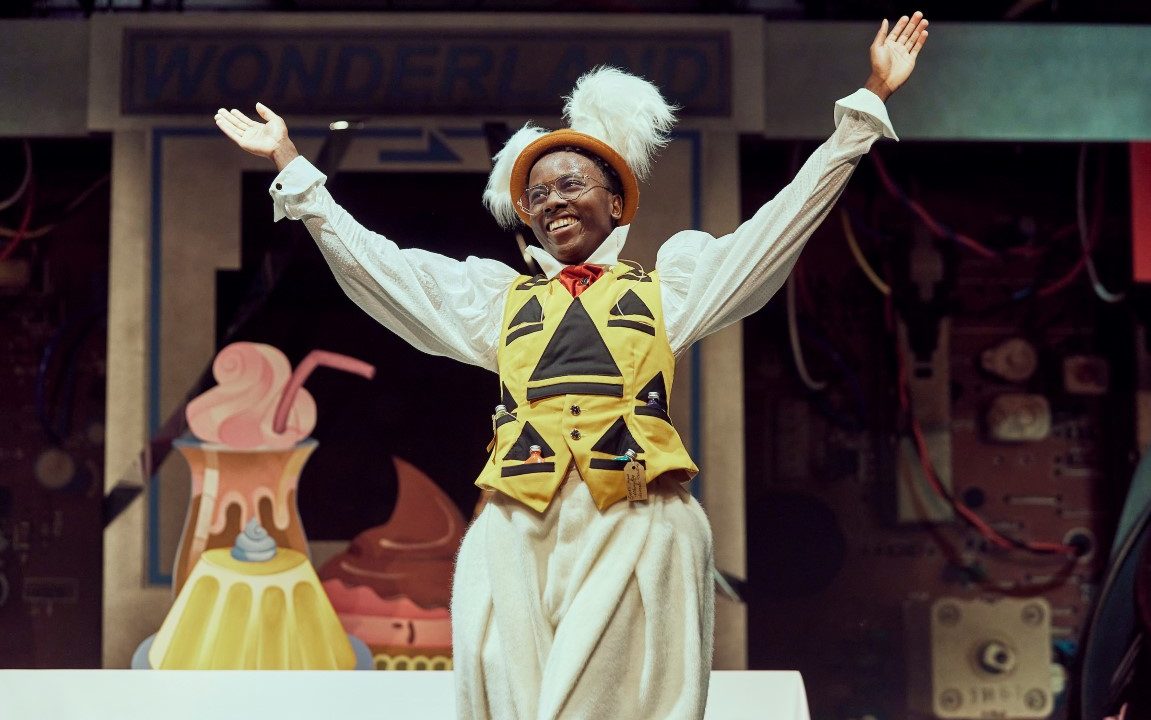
[
  {"x": 575, "y": 410},
  {"x": 575, "y": 434}
]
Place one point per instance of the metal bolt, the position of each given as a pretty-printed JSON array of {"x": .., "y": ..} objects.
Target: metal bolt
[
  {"x": 1035, "y": 699},
  {"x": 950, "y": 699},
  {"x": 948, "y": 614},
  {"x": 996, "y": 658},
  {"x": 1032, "y": 614}
]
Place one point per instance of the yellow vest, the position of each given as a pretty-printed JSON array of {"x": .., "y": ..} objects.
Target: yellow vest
[{"x": 575, "y": 377}]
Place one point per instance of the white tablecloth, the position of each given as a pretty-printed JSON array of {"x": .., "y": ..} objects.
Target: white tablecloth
[{"x": 197, "y": 695}]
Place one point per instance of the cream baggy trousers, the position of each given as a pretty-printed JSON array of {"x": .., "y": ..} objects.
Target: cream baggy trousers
[{"x": 580, "y": 614}]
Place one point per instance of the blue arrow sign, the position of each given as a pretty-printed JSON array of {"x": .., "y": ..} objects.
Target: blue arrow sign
[{"x": 437, "y": 151}]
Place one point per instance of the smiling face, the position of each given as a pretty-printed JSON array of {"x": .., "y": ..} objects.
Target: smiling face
[{"x": 570, "y": 230}]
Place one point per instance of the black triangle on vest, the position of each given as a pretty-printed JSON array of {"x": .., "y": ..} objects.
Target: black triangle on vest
[
  {"x": 630, "y": 304},
  {"x": 635, "y": 275},
  {"x": 576, "y": 348},
  {"x": 506, "y": 399},
  {"x": 617, "y": 440},
  {"x": 655, "y": 385},
  {"x": 522, "y": 449},
  {"x": 531, "y": 312},
  {"x": 533, "y": 282}
]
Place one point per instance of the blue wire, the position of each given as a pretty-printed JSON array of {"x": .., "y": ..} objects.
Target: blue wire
[{"x": 59, "y": 428}]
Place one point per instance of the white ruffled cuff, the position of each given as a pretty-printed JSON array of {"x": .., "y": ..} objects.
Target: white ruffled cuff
[
  {"x": 868, "y": 103},
  {"x": 292, "y": 187}
]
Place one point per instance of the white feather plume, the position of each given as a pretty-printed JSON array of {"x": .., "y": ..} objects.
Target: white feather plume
[
  {"x": 625, "y": 111},
  {"x": 496, "y": 196}
]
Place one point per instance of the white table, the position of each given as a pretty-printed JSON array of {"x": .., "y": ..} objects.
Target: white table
[{"x": 207, "y": 695}]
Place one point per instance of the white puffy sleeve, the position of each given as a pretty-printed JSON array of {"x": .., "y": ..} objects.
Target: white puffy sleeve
[
  {"x": 437, "y": 304},
  {"x": 709, "y": 283}
]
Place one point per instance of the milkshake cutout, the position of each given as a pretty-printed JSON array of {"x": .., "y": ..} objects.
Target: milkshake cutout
[{"x": 251, "y": 445}]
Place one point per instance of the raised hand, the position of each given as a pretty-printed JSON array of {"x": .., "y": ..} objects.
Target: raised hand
[
  {"x": 893, "y": 54},
  {"x": 268, "y": 139}
]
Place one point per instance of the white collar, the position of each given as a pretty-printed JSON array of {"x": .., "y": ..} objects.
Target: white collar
[{"x": 607, "y": 254}]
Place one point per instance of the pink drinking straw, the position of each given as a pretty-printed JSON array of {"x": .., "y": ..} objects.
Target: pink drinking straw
[{"x": 315, "y": 359}]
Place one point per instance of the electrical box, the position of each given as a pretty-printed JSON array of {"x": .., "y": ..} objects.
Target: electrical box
[{"x": 974, "y": 659}]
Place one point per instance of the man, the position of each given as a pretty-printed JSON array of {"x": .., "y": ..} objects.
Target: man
[{"x": 583, "y": 589}]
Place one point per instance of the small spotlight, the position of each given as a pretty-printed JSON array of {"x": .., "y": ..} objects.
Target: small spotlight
[{"x": 356, "y": 123}]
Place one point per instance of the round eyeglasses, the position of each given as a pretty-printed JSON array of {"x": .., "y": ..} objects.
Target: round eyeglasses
[{"x": 569, "y": 187}]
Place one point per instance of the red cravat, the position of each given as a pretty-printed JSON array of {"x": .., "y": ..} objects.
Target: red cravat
[{"x": 577, "y": 278}]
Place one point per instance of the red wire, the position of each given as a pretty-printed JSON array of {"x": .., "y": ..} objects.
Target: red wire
[
  {"x": 24, "y": 221},
  {"x": 932, "y": 224},
  {"x": 1065, "y": 280},
  {"x": 991, "y": 534},
  {"x": 1092, "y": 240}
]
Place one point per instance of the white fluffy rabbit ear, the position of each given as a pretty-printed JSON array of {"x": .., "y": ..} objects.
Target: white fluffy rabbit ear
[
  {"x": 497, "y": 197},
  {"x": 625, "y": 111}
]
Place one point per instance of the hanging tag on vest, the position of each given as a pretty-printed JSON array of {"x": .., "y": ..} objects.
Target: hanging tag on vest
[{"x": 635, "y": 476}]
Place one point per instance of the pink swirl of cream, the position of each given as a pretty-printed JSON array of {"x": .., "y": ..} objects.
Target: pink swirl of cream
[
  {"x": 259, "y": 403},
  {"x": 239, "y": 412}
]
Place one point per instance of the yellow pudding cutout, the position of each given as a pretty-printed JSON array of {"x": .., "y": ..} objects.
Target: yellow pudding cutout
[{"x": 239, "y": 615}]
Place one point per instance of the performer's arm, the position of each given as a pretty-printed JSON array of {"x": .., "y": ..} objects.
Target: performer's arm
[
  {"x": 709, "y": 283},
  {"x": 438, "y": 305}
]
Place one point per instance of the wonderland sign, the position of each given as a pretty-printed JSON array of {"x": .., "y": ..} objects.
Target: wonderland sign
[{"x": 398, "y": 72}]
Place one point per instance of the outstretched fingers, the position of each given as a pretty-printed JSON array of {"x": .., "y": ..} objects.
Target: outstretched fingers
[
  {"x": 266, "y": 112},
  {"x": 241, "y": 119},
  {"x": 233, "y": 120},
  {"x": 224, "y": 122},
  {"x": 915, "y": 28},
  {"x": 896, "y": 31},
  {"x": 882, "y": 34},
  {"x": 919, "y": 43},
  {"x": 909, "y": 28},
  {"x": 223, "y": 117}
]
